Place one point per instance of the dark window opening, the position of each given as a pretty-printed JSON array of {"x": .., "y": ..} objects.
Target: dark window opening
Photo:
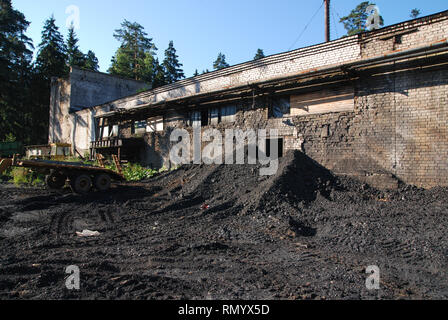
[
  {"x": 280, "y": 107},
  {"x": 204, "y": 118}
]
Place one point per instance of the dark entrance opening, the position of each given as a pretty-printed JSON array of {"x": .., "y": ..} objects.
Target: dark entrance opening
[
  {"x": 204, "y": 118},
  {"x": 278, "y": 142}
]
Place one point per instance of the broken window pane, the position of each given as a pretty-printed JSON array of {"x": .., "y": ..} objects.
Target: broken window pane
[
  {"x": 140, "y": 126},
  {"x": 281, "y": 107},
  {"x": 105, "y": 132},
  {"x": 228, "y": 114},
  {"x": 114, "y": 131},
  {"x": 214, "y": 116},
  {"x": 155, "y": 124}
]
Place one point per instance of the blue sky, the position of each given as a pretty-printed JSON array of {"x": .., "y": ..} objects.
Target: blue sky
[{"x": 201, "y": 29}]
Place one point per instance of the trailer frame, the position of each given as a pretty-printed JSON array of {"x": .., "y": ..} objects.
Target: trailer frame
[{"x": 82, "y": 177}]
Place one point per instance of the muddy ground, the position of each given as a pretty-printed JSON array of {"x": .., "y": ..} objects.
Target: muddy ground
[{"x": 224, "y": 232}]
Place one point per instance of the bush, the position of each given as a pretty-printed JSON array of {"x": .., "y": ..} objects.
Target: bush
[
  {"x": 23, "y": 176},
  {"x": 135, "y": 172}
]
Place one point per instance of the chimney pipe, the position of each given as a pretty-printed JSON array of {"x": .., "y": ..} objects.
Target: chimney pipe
[{"x": 327, "y": 21}]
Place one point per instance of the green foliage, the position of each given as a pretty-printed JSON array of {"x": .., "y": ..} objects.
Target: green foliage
[
  {"x": 51, "y": 58},
  {"x": 159, "y": 75},
  {"x": 23, "y": 176},
  {"x": 355, "y": 22},
  {"x": 51, "y": 61},
  {"x": 415, "y": 13},
  {"x": 172, "y": 66},
  {"x": 10, "y": 138},
  {"x": 74, "y": 56},
  {"x": 135, "y": 172},
  {"x": 25, "y": 87},
  {"x": 135, "y": 56},
  {"x": 220, "y": 62},
  {"x": 259, "y": 54},
  {"x": 91, "y": 61},
  {"x": 15, "y": 73}
]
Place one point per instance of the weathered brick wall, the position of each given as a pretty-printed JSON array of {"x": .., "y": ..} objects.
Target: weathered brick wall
[
  {"x": 422, "y": 128},
  {"x": 398, "y": 126},
  {"x": 404, "y": 36},
  {"x": 407, "y": 35},
  {"x": 280, "y": 65}
]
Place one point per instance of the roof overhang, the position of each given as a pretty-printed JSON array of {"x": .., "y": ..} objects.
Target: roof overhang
[{"x": 305, "y": 81}]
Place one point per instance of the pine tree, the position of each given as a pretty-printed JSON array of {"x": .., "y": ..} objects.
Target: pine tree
[
  {"x": 415, "y": 13},
  {"x": 259, "y": 54},
  {"x": 51, "y": 62},
  {"x": 355, "y": 22},
  {"x": 129, "y": 60},
  {"x": 91, "y": 61},
  {"x": 15, "y": 74},
  {"x": 220, "y": 62},
  {"x": 172, "y": 66},
  {"x": 51, "y": 57},
  {"x": 159, "y": 75},
  {"x": 74, "y": 56}
]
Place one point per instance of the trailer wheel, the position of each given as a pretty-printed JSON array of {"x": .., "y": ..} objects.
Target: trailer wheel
[
  {"x": 55, "y": 180},
  {"x": 102, "y": 182},
  {"x": 81, "y": 184}
]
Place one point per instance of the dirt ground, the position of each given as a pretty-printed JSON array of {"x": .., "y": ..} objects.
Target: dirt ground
[{"x": 225, "y": 232}]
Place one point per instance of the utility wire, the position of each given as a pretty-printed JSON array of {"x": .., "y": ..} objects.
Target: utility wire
[
  {"x": 337, "y": 13},
  {"x": 333, "y": 9},
  {"x": 306, "y": 27}
]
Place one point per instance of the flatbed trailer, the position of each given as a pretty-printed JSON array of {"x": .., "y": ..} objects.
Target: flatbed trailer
[{"x": 82, "y": 178}]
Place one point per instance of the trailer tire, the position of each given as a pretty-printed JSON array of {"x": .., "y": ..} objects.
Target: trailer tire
[
  {"x": 55, "y": 181},
  {"x": 81, "y": 184},
  {"x": 102, "y": 182}
]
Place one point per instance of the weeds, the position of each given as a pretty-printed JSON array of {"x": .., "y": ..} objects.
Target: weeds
[
  {"x": 131, "y": 172},
  {"x": 23, "y": 176},
  {"x": 136, "y": 172}
]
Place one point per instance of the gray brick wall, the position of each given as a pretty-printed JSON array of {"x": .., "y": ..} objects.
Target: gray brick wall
[{"x": 400, "y": 121}]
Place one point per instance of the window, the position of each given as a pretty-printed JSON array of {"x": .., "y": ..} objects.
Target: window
[
  {"x": 281, "y": 107},
  {"x": 114, "y": 131},
  {"x": 329, "y": 100},
  {"x": 213, "y": 116},
  {"x": 140, "y": 126},
  {"x": 105, "y": 132},
  {"x": 204, "y": 118},
  {"x": 155, "y": 125},
  {"x": 228, "y": 114}
]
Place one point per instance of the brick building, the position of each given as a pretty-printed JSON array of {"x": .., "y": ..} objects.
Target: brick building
[{"x": 373, "y": 105}]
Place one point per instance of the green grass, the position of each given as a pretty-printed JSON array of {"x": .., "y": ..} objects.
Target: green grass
[
  {"x": 131, "y": 172},
  {"x": 23, "y": 176},
  {"x": 136, "y": 172}
]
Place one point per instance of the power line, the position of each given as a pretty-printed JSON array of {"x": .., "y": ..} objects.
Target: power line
[
  {"x": 334, "y": 21},
  {"x": 306, "y": 27},
  {"x": 337, "y": 13}
]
